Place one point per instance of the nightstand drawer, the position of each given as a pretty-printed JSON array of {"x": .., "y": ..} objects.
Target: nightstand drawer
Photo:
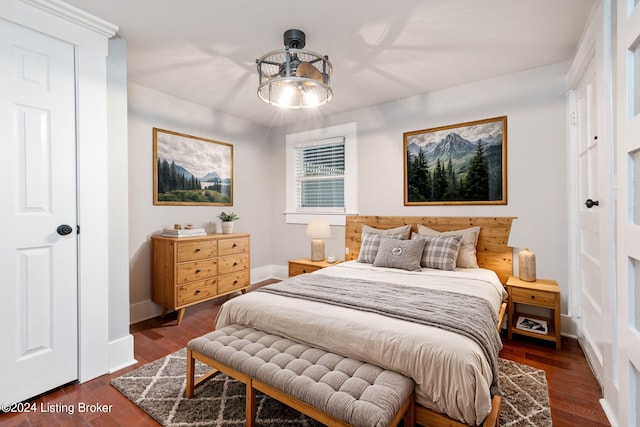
[
  {"x": 197, "y": 291},
  {"x": 197, "y": 270},
  {"x": 295, "y": 269},
  {"x": 531, "y": 296},
  {"x": 233, "y": 281},
  {"x": 233, "y": 246},
  {"x": 192, "y": 251},
  {"x": 229, "y": 264}
]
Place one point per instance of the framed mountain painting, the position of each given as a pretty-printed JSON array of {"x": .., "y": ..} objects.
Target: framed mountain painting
[
  {"x": 189, "y": 170},
  {"x": 461, "y": 164}
]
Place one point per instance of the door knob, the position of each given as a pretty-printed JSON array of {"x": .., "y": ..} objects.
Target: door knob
[
  {"x": 591, "y": 203},
  {"x": 64, "y": 229}
]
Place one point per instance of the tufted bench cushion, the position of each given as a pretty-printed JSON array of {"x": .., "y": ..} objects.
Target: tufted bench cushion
[{"x": 358, "y": 393}]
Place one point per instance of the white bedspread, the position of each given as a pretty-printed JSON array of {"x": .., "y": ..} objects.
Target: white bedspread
[{"x": 451, "y": 373}]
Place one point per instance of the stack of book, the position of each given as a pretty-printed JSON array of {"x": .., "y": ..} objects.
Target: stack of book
[
  {"x": 532, "y": 325},
  {"x": 190, "y": 232}
]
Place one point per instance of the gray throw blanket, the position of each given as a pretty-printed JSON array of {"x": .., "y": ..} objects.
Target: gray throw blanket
[{"x": 466, "y": 315}]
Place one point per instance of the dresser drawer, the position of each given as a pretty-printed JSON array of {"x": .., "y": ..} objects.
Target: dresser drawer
[
  {"x": 192, "y": 251},
  {"x": 233, "y": 281},
  {"x": 230, "y": 264},
  {"x": 197, "y": 291},
  {"x": 197, "y": 270},
  {"x": 541, "y": 298},
  {"x": 233, "y": 246}
]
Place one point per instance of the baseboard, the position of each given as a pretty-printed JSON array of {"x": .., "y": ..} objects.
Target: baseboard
[
  {"x": 609, "y": 412},
  {"x": 147, "y": 309},
  {"x": 121, "y": 353},
  {"x": 143, "y": 310},
  {"x": 569, "y": 326}
]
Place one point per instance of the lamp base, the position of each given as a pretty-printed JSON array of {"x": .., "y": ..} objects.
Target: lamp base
[
  {"x": 527, "y": 266},
  {"x": 317, "y": 250}
]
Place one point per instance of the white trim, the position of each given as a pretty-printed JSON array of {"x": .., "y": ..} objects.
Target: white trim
[
  {"x": 120, "y": 353},
  {"x": 75, "y": 16},
  {"x": 348, "y": 131}
]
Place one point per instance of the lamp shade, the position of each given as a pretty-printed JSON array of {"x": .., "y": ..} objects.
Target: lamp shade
[
  {"x": 517, "y": 236},
  {"x": 318, "y": 229}
]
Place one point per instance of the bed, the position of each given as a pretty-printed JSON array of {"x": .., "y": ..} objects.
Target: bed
[{"x": 454, "y": 369}]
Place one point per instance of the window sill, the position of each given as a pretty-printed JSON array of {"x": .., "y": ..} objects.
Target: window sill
[{"x": 304, "y": 218}]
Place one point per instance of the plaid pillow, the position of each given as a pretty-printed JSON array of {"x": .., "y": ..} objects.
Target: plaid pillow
[
  {"x": 371, "y": 243},
  {"x": 440, "y": 251},
  {"x": 467, "y": 254}
]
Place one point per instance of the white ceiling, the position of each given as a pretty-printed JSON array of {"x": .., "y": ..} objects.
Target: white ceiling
[{"x": 204, "y": 51}]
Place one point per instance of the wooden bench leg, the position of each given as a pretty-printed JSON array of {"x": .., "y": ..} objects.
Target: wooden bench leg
[
  {"x": 251, "y": 405},
  {"x": 191, "y": 365}
]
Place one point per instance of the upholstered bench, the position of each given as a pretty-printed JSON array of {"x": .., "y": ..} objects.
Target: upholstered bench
[{"x": 330, "y": 388}]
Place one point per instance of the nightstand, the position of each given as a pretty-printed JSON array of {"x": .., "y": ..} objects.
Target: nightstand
[
  {"x": 541, "y": 293},
  {"x": 305, "y": 265}
]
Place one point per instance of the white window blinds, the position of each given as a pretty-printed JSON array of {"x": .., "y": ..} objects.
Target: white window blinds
[{"x": 320, "y": 169}]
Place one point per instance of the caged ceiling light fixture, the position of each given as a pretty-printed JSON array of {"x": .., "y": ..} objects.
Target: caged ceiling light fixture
[{"x": 293, "y": 77}]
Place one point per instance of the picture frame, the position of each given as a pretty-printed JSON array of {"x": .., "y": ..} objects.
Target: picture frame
[
  {"x": 459, "y": 164},
  {"x": 190, "y": 170}
]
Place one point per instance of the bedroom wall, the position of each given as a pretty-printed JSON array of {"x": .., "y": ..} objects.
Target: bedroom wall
[
  {"x": 534, "y": 103},
  {"x": 252, "y": 201}
]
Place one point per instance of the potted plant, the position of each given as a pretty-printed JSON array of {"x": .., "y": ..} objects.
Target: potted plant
[{"x": 227, "y": 221}]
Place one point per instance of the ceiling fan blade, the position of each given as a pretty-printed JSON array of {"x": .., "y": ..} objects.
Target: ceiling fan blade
[{"x": 305, "y": 69}]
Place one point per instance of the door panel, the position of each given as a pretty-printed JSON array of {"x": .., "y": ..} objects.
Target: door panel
[
  {"x": 628, "y": 232},
  {"x": 590, "y": 222},
  {"x": 38, "y": 175}
]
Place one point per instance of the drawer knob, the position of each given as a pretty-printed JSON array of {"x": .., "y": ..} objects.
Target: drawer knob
[
  {"x": 197, "y": 291},
  {"x": 197, "y": 270},
  {"x": 235, "y": 282},
  {"x": 235, "y": 264},
  {"x": 304, "y": 271},
  {"x": 197, "y": 249},
  {"x": 234, "y": 245},
  {"x": 533, "y": 297}
]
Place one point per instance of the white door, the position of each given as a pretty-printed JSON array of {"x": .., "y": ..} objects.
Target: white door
[
  {"x": 628, "y": 221},
  {"x": 592, "y": 222},
  {"x": 38, "y": 285}
]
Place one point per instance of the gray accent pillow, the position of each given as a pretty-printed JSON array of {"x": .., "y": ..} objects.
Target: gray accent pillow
[
  {"x": 440, "y": 251},
  {"x": 404, "y": 254},
  {"x": 371, "y": 243},
  {"x": 467, "y": 255}
]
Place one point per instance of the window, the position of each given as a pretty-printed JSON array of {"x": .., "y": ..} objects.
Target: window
[{"x": 321, "y": 174}]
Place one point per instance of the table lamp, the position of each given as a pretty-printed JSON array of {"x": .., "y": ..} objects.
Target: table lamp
[
  {"x": 526, "y": 258},
  {"x": 318, "y": 229}
]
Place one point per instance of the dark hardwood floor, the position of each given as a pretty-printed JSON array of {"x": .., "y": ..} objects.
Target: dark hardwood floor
[{"x": 573, "y": 390}]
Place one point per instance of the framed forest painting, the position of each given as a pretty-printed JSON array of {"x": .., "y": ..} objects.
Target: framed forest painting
[
  {"x": 189, "y": 170},
  {"x": 461, "y": 164}
]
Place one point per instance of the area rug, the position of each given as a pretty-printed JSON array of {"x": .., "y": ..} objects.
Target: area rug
[{"x": 158, "y": 389}]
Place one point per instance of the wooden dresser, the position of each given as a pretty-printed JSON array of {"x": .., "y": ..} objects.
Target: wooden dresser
[{"x": 190, "y": 270}]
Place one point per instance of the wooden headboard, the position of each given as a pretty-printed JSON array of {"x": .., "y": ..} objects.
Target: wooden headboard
[{"x": 492, "y": 250}]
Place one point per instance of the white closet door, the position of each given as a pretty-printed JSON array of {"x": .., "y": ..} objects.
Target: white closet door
[
  {"x": 592, "y": 222},
  {"x": 38, "y": 174}
]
